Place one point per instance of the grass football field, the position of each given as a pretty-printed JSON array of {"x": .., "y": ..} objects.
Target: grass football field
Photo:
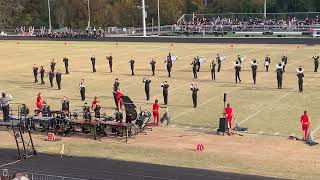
[{"x": 262, "y": 107}]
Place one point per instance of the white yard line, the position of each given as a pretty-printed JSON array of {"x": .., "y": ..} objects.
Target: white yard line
[
  {"x": 316, "y": 130},
  {"x": 202, "y": 104},
  {"x": 206, "y": 102},
  {"x": 278, "y": 99}
]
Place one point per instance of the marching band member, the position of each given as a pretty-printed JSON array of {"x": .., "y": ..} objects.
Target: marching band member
[
  {"x": 316, "y": 62},
  {"x": 165, "y": 89},
  {"x": 153, "y": 66},
  {"x": 194, "y": 90},
  {"x": 94, "y": 102},
  {"x": 198, "y": 64},
  {"x": 194, "y": 68},
  {"x": 42, "y": 71},
  {"x": 155, "y": 112},
  {"x": 228, "y": 112},
  {"x": 239, "y": 58},
  {"x": 237, "y": 67},
  {"x": 51, "y": 77},
  {"x": 213, "y": 70},
  {"x": 219, "y": 62},
  {"x": 147, "y": 87},
  {"x": 169, "y": 56},
  {"x": 93, "y": 62},
  {"x": 35, "y": 73},
  {"x": 58, "y": 78},
  {"x": 65, "y": 106},
  {"x": 305, "y": 121},
  {"x": 97, "y": 110},
  {"x": 39, "y": 101},
  {"x": 52, "y": 65},
  {"x": 86, "y": 113},
  {"x": 254, "y": 67},
  {"x": 45, "y": 110},
  {"x": 169, "y": 64},
  {"x": 131, "y": 62},
  {"x": 66, "y": 64},
  {"x": 300, "y": 76},
  {"x": 5, "y": 105},
  {"x": 116, "y": 85},
  {"x": 109, "y": 58},
  {"x": 279, "y": 74},
  {"x": 284, "y": 60},
  {"x": 119, "y": 100},
  {"x": 82, "y": 87},
  {"x": 267, "y": 62}
]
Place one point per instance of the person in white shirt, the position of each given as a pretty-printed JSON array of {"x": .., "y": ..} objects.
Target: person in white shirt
[
  {"x": 82, "y": 90},
  {"x": 5, "y": 105}
]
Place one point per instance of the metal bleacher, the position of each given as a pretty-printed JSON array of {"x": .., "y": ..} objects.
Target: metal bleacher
[{"x": 276, "y": 24}]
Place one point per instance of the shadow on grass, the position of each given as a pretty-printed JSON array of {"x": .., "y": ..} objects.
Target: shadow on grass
[{"x": 104, "y": 168}]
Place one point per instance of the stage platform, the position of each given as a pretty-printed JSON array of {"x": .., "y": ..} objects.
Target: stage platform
[{"x": 107, "y": 169}]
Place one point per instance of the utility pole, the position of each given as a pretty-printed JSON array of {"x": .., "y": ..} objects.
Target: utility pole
[
  {"x": 265, "y": 9},
  {"x": 88, "y": 13},
  {"x": 159, "y": 17},
  {"x": 49, "y": 16},
  {"x": 144, "y": 19}
]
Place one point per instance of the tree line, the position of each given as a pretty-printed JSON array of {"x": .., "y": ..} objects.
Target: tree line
[{"x": 127, "y": 13}]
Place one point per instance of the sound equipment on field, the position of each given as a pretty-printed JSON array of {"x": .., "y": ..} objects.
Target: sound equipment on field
[
  {"x": 223, "y": 123},
  {"x": 223, "y": 126}
]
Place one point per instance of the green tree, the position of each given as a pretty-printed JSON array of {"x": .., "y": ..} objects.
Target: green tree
[{"x": 8, "y": 12}]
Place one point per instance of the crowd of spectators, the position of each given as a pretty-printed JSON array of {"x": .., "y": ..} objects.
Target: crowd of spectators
[
  {"x": 89, "y": 33},
  {"x": 235, "y": 24},
  {"x": 25, "y": 31}
]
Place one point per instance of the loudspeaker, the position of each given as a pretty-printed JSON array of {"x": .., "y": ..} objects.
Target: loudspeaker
[
  {"x": 225, "y": 97},
  {"x": 223, "y": 125}
]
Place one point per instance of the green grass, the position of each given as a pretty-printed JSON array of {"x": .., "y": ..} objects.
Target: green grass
[{"x": 262, "y": 108}]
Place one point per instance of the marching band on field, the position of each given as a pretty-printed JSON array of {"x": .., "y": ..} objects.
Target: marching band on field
[
  {"x": 196, "y": 64},
  {"x": 169, "y": 61}
]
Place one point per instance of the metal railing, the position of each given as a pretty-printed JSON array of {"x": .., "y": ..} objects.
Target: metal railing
[
  {"x": 250, "y": 22},
  {"x": 245, "y": 16},
  {"x": 132, "y": 31}
]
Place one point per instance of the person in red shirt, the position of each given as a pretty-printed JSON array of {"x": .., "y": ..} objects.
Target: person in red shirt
[
  {"x": 306, "y": 124},
  {"x": 94, "y": 102},
  {"x": 228, "y": 111},
  {"x": 119, "y": 100},
  {"x": 155, "y": 111},
  {"x": 39, "y": 101}
]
